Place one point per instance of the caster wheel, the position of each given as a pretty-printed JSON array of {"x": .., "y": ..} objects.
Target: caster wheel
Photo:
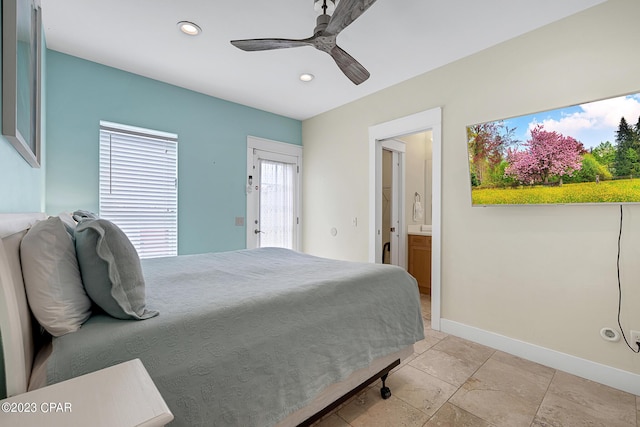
[{"x": 385, "y": 392}]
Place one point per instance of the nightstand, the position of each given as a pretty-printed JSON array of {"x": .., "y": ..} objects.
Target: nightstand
[{"x": 122, "y": 395}]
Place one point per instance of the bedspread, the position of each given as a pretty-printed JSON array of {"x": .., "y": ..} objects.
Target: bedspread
[{"x": 246, "y": 337}]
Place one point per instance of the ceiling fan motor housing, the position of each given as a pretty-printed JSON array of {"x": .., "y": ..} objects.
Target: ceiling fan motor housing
[{"x": 321, "y": 23}]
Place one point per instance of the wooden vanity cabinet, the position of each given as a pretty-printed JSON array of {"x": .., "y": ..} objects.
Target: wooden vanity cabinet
[{"x": 420, "y": 261}]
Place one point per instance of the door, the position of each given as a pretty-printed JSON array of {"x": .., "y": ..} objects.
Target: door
[
  {"x": 273, "y": 185},
  {"x": 390, "y": 207},
  {"x": 390, "y": 236}
]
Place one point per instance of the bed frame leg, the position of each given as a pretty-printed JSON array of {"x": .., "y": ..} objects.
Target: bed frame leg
[{"x": 385, "y": 391}]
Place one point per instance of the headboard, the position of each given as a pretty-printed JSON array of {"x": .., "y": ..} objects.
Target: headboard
[{"x": 15, "y": 316}]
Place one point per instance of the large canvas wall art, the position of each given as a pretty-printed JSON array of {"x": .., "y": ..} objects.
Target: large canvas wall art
[{"x": 587, "y": 153}]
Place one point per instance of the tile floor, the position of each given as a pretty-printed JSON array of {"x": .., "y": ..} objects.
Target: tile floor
[{"x": 457, "y": 383}]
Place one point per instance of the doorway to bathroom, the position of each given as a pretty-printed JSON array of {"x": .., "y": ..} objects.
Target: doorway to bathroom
[
  {"x": 426, "y": 121},
  {"x": 406, "y": 200}
]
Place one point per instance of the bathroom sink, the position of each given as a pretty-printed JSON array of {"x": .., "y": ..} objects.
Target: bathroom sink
[{"x": 422, "y": 230}]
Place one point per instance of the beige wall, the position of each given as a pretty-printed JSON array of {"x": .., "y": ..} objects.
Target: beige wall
[
  {"x": 543, "y": 275},
  {"x": 418, "y": 175}
]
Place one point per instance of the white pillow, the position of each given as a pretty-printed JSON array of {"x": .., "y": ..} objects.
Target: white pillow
[{"x": 52, "y": 278}]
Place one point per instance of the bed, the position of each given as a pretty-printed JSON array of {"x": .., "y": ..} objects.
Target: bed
[{"x": 253, "y": 337}]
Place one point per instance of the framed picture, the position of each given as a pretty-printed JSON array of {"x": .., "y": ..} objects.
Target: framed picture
[
  {"x": 21, "y": 70},
  {"x": 582, "y": 154}
]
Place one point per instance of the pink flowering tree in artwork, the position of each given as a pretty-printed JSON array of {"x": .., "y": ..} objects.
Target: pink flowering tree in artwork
[{"x": 545, "y": 155}]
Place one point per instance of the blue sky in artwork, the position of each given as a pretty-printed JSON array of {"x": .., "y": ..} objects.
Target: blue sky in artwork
[{"x": 590, "y": 123}]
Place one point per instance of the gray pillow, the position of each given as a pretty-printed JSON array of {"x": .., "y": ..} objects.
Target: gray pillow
[
  {"x": 52, "y": 279},
  {"x": 111, "y": 270},
  {"x": 82, "y": 215}
]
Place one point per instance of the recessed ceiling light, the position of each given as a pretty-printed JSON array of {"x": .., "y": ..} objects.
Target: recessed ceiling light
[
  {"x": 189, "y": 28},
  {"x": 306, "y": 77}
]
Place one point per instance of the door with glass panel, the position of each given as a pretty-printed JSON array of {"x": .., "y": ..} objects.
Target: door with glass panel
[{"x": 273, "y": 200}]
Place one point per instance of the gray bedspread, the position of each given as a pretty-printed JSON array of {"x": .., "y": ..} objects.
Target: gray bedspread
[{"x": 244, "y": 338}]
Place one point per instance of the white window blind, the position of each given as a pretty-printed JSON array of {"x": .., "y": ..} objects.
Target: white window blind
[{"x": 138, "y": 186}]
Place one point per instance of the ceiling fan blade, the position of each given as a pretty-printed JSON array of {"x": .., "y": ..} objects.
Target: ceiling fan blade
[
  {"x": 349, "y": 66},
  {"x": 346, "y": 12},
  {"x": 251, "y": 45}
]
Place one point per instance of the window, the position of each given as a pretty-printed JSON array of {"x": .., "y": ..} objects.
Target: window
[{"x": 139, "y": 188}]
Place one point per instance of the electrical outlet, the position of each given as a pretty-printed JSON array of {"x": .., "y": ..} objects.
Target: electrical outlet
[{"x": 635, "y": 337}]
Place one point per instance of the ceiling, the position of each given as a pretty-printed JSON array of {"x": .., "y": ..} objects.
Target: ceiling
[{"x": 395, "y": 40}]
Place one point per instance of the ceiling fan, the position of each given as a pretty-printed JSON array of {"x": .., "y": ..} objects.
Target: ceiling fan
[{"x": 324, "y": 37}]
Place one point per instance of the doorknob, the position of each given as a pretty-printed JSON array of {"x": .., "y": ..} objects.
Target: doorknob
[
  {"x": 256, "y": 231},
  {"x": 393, "y": 229}
]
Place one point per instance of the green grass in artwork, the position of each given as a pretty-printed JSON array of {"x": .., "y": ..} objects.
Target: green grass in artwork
[{"x": 615, "y": 191}]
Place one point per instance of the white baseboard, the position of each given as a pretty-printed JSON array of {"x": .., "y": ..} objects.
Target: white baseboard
[{"x": 613, "y": 377}]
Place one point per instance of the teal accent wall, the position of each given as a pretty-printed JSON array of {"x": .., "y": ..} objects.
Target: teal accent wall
[
  {"x": 21, "y": 186},
  {"x": 211, "y": 149}
]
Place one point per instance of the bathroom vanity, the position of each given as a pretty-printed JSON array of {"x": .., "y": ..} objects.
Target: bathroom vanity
[{"x": 419, "y": 263}]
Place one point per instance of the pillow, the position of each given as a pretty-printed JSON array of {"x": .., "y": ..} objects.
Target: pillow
[
  {"x": 68, "y": 221},
  {"x": 110, "y": 269},
  {"x": 82, "y": 215},
  {"x": 52, "y": 278}
]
